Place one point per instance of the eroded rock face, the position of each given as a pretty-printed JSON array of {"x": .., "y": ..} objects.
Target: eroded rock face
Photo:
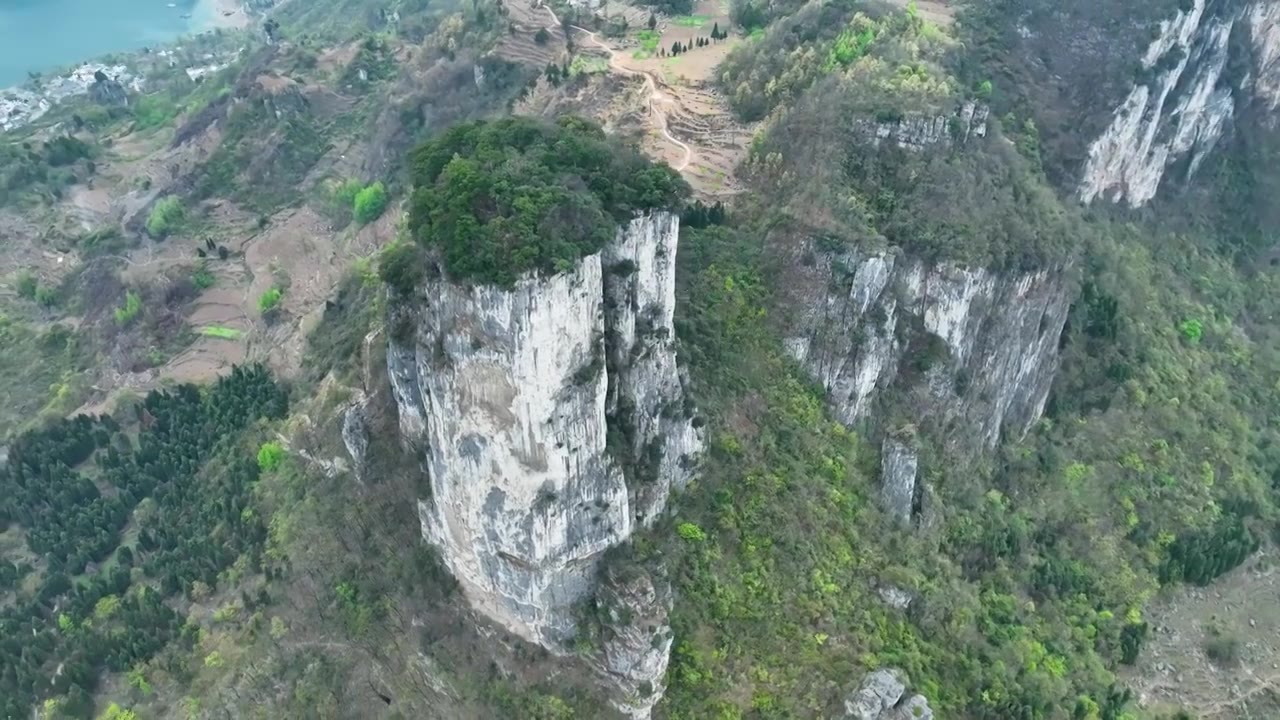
[
  {"x": 637, "y": 638},
  {"x": 645, "y": 394},
  {"x": 108, "y": 92},
  {"x": 507, "y": 394},
  {"x": 1188, "y": 103},
  {"x": 977, "y": 349},
  {"x": 916, "y": 131},
  {"x": 355, "y": 435},
  {"x": 898, "y": 467},
  {"x": 879, "y": 697}
]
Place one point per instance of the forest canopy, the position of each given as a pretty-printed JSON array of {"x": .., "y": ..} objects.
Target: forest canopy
[{"x": 498, "y": 199}]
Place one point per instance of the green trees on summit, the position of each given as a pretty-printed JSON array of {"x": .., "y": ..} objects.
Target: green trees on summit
[{"x": 501, "y": 198}]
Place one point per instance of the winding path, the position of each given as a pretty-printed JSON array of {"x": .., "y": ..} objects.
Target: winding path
[{"x": 650, "y": 82}]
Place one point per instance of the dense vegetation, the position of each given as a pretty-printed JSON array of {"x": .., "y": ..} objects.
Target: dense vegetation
[
  {"x": 165, "y": 217},
  {"x": 838, "y": 75},
  {"x": 498, "y": 199},
  {"x": 1029, "y": 588},
  {"x": 205, "y": 554},
  {"x": 41, "y": 170},
  {"x": 36, "y": 367},
  {"x": 118, "y": 519},
  {"x": 822, "y": 39},
  {"x": 1155, "y": 464}
]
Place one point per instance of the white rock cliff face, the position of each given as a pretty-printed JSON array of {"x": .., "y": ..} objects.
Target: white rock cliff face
[
  {"x": 644, "y": 388},
  {"x": 879, "y": 697},
  {"x": 898, "y": 466},
  {"x": 507, "y": 393},
  {"x": 979, "y": 348},
  {"x": 917, "y": 131},
  {"x": 1185, "y": 108}
]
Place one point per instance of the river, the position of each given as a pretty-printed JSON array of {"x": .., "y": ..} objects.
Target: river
[{"x": 43, "y": 35}]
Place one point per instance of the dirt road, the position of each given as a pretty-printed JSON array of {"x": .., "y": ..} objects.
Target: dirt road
[{"x": 658, "y": 101}]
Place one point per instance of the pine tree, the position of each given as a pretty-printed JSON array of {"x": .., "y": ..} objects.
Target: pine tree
[{"x": 653, "y": 21}]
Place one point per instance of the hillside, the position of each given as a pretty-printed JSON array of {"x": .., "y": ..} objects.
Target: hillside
[{"x": 765, "y": 359}]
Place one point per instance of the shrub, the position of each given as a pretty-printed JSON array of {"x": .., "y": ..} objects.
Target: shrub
[
  {"x": 400, "y": 266},
  {"x": 369, "y": 203},
  {"x": 1222, "y": 647},
  {"x": 542, "y": 36},
  {"x": 26, "y": 285},
  {"x": 115, "y": 712},
  {"x": 1192, "y": 330},
  {"x": 165, "y": 217},
  {"x": 270, "y": 300},
  {"x": 64, "y": 150},
  {"x": 691, "y": 532},
  {"x": 270, "y": 456},
  {"x": 344, "y": 193},
  {"x": 203, "y": 279},
  {"x": 47, "y": 296},
  {"x": 152, "y": 111},
  {"x": 132, "y": 306}
]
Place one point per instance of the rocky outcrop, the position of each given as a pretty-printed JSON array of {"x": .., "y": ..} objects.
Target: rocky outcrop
[
  {"x": 895, "y": 597},
  {"x": 974, "y": 351},
  {"x": 1186, "y": 105},
  {"x": 636, "y": 646},
  {"x": 544, "y": 445},
  {"x": 107, "y": 91},
  {"x": 918, "y": 131},
  {"x": 355, "y": 436},
  {"x": 899, "y": 463},
  {"x": 879, "y": 697}
]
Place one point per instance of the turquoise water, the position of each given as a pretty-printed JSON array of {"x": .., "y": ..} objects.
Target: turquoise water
[{"x": 42, "y": 35}]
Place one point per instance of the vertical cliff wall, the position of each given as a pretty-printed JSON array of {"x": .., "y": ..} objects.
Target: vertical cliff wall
[
  {"x": 972, "y": 350},
  {"x": 1187, "y": 98},
  {"x": 551, "y": 419},
  {"x": 645, "y": 398}
]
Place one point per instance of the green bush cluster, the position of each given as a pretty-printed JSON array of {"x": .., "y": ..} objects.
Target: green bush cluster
[
  {"x": 401, "y": 266},
  {"x": 269, "y": 300},
  {"x": 368, "y": 204},
  {"x": 41, "y": 170},
  {"x": 203, "y": 278},
  {"x": 132, "y": 306},
  {"x": 270, "y": 455},
  {"x": 352, "y": 200},
  {"x": 822, "y": 39},
  {"x": 165, "y": 217},
  {"x": 498, "y": 199},
  {"x": 26, "y": 285}
]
